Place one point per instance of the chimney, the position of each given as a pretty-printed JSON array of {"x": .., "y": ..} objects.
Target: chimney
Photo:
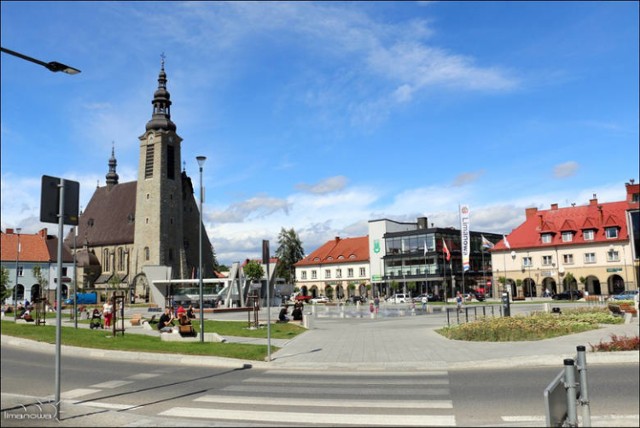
[
  {"x": 423, "y": 223},
  {"x": 540, "y": 222},
  {"x": 593, "y": 201},
  {"x": 43, "y": 233},
  {"x": 554, "y": 207},
  {"x": 337, "y": 239},
  {"x": 530, "y": 212},
  {"x": 9, "y": 231},
  {"x": 601, "y": 214}
]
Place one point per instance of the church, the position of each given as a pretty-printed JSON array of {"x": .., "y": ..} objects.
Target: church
[{"x": 130, "y": 232}]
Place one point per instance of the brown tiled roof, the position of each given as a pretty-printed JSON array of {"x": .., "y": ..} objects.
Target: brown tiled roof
[
  {"x": 37, "y": 247},
  {"x": 108, "y": 218},
  {"x": 345, "y": 250}
]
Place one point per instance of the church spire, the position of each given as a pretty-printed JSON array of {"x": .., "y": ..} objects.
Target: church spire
[
  {"x": 112, "y": 177},
  {"x": 161, "y": 117}
]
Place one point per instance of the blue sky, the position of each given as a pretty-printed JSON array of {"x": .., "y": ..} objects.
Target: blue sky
[{"x": 323, "y": 116}]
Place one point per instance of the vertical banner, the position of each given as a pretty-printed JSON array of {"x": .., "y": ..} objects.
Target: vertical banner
[{"x": 464, "y": 236}]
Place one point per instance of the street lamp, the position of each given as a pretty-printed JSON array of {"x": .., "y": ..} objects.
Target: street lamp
[
  {"x": 200, "y": 160},
  {"x": 15, "y": 286},
  {"x": 51, "y": 66}
]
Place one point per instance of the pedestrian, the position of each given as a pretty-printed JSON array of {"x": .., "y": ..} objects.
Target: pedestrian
[
  {"x": 282, "y": 317},
  {"x": 376, "y": 303},
  {"x": 107, "y": 312},
  {"x": 165, "y": 324},
  {"x": 459, "y": 301},
  {"x": 424, "y": 303}
]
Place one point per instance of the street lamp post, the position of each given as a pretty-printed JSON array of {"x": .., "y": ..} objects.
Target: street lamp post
[
  {"x": 200, "y": 160},
  {"x": 15, "y": 286},
  {"x": 51, "y": 66}
]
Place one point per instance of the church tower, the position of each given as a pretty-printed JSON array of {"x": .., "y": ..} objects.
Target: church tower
[{"x": 159, "y": 239}]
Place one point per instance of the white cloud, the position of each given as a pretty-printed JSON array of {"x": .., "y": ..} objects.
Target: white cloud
[
  {"x": 565, "y": 170},
  {"x": 328, "y": 185}
]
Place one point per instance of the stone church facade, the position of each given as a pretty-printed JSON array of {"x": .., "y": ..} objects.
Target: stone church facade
[{"x": 129, "y": 229}]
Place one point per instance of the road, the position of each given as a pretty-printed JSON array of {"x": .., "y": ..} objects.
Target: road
[{"x": 99, "y": 392}]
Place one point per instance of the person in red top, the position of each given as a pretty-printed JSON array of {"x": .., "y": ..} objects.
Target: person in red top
[{"x": 181, "y": 311}]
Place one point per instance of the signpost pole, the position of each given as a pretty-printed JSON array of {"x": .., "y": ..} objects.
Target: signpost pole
[{"x": 59, "y": 299}]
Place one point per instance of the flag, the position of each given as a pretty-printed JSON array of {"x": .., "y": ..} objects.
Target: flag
[
  {"x": 425, "y": 248},
  {"x": 506, "y": 243},
  {"x": 445, "y": 250},
  {"x": 486, "y": 243}
]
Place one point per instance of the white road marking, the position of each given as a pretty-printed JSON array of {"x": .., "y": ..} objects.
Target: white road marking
[
  {"x": 311, "y": 402},
  {"x": 299, "y": 419},
  {"x": 112, "y": 384},
  {"x": 143, "y": 376},
  {"x": 80, "y": 392}
]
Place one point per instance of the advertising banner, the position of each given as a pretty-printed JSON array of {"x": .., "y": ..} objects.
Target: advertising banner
[{"x": 465, "y": 240}]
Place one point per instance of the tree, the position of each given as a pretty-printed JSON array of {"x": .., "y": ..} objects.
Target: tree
[
  {"x": 253, "y": 270},
  {"x": 289, "y": 253},
  {"x": 4, "y": 281},
  {"x": 41, "y": 280}
]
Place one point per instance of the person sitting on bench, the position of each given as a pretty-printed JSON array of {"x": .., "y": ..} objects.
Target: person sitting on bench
[
  {"x": 283, "y": 315},
  {"x": 185, "y": 327},
  {"x": 165, "y": 325}
]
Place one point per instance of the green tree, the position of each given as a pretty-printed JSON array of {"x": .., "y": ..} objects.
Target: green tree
[
  {"x": 4, "y": 281},
  {"x": 253, "y": 270},
  {"x": 289, "y": 253},
  {"x": 41, "y": 280}
]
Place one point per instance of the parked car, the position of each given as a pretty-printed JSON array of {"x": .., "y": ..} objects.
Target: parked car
[
  {"x": 356, "y": 299},
  {"x": 625, "y": 295},
  {"x": 568, "y": 295},
  {"x": 398, "y": 298},
  {"x": 320, "y": 299},
  {"x": 430, "y": 298}
]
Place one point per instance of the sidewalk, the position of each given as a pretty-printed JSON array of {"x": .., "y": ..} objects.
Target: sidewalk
[{"x": 400, "y": 343}]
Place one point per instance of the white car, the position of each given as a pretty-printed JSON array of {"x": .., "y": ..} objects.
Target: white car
[
  {"x": 398, "y": 298},
  {"x": 320, "y": 299}
]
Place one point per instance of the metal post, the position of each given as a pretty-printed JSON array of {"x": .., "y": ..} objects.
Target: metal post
[
  {"x": 265, "y": 259},
  {"x": 570, "y": 385},
  {"x": 15, "y": 286},
  {"x": 584, "y": 388},
  {"x": 75, "y": 280},
  {"x": 59, "y": 300},
  {"x": 200, "y": 160}
]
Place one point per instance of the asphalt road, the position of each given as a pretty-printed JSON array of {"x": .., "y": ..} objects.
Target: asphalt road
[{"x": 99, "y": 392}]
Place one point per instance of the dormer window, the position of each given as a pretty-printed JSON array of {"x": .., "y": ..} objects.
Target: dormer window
[
  {"x": 546, "y": 238},
  {"x": 588, "y": 235},
  {"x": 611, "y": 232},
  {"x": 567, "y": 236}
]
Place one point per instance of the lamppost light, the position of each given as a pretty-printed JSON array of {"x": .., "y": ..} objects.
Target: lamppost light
[
  {"x": 53, "y": 66},
  {"x": 201, "y": 160}
]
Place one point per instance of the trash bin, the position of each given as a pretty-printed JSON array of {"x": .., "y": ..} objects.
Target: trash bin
[{"x": 307, "y": 320}]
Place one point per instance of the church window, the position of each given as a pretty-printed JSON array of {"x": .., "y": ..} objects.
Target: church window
[
  {"x": 171, "y": 160},
  {"x": 105, "y": 260},
  {"x": 146, "y": 254},
  {"x": 148, "y": 166},
  {"x": 148, "y": 196},
  {"x": 146, "y": 220},
  {"x": 120, "y": 259},
  {"x": 171, "y": 220},
  {"x": 170, "y": 254}
]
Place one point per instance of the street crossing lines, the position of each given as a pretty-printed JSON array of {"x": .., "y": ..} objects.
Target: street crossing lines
[
  {"x": 317, "y": 402},
  {"x": 333, "y": 419}
]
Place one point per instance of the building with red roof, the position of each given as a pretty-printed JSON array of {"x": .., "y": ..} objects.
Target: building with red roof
[
  {"x": 20, "y": 253},
  {"x": 593, "y": 248},
  {"x": 337, "y": 269}
]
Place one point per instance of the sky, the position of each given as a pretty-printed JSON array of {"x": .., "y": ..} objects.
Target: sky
[{"x": 323, "y": 116}]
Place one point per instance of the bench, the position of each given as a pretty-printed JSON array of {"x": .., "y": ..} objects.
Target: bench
[{"x": 136, "y": 319}]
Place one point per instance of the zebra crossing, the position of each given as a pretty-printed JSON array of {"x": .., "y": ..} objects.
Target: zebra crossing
[{"x": 278, "y": 397}]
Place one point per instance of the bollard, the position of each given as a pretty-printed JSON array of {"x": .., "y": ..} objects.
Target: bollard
[
  {"x": 584, "y": 389},
  {"x": 570, "y": 385}
]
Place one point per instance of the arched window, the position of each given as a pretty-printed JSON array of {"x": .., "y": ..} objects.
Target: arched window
[
  {"x": 120, "y": 259},
  {"x": 105, "y": 260},
  {"x": 146, "y": 254}
]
